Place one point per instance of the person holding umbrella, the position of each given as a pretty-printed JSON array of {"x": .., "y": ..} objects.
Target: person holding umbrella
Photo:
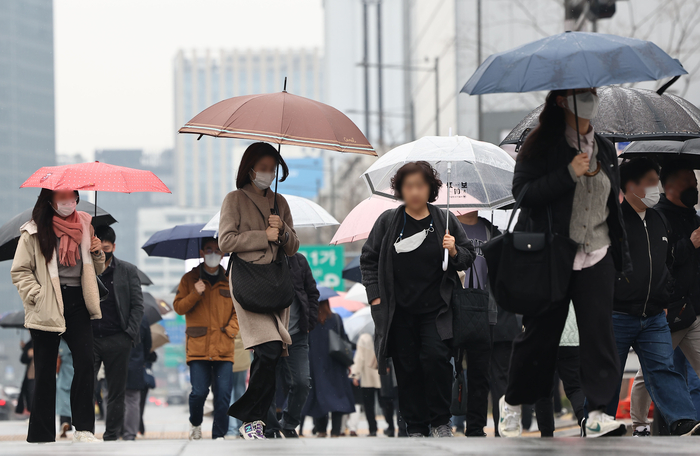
[
  {"x": 55, "y": 271},
  {"x": 410, "y": 294},
  {"x": 571, "y": 179},
  {"x": 255, "y": 224}
]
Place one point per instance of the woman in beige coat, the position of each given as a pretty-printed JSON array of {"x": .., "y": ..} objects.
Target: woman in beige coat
[
  {"x": 55, "y": 271},
  {"x": 250, "y": 229}
]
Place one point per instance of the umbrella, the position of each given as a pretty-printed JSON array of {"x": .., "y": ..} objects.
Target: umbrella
[
  {"x": 360, "y": 322},
  {"x": 630, "y": 114},
  {"x": 305, "y": 213},
  {"x": 342, "y": 312},
  {"x": 326, "y": 293},
  {"x": 12, "y": 320},
  {"x": 154, "y": 309},
  {"x": 143, "y": 278},
  {"x": 341, "y": 301},
  {"x": 357, "y": 293},
  {"x": 665, "y": 151},
  {"x": 158, "y": 336},
  {"x": 180, "y": 242},
  {"x": 351, "y": 271},
  {"x": 572, "y": 60},
  {"x": 9, "y": 232}
]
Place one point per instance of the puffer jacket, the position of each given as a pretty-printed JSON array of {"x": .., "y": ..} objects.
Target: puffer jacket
[
  {"x": 212, "y": 324},
  {"x": 38, "y": 283}
]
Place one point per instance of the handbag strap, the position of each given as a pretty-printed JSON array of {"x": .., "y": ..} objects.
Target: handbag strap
[
  {"x": 519, "y": 200},
  {"x": 471, "y": 277}
]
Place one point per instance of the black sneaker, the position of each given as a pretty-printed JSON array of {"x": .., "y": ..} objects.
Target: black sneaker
[
  {"x": 685, "y": 428},
  {"x": 290, "y": 433},
  {"x": 274, "y": 434},
  {"x": 389, "y": 432},
  {"x": 641, "y": 431}
]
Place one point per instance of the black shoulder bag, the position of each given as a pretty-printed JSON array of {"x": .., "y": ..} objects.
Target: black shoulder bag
[
  {"x": 528, "y": 270},
  {"x": 339, "y": 347}
]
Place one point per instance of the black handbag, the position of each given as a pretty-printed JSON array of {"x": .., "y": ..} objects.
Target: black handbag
[
  {"x": 470, "y": 316},
  {"x": 529, "y": 270},
  {"x": 339, "y": 348},
  {"x": 458, "y": 405},
  {"x": 680, "y": 315}
]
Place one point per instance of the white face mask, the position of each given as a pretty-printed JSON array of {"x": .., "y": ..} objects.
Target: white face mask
[
  {"x": 263, "y": 180},
  {"x": 65, "y": 208},
  {"x": 586, "y": 104},
  {"x": 651, "y": 198},
  {"x": 212, "y": 260},
  {"x": 411, "y": 243}
]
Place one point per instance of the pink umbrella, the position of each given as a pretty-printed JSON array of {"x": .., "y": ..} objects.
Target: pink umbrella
[
  {"x": 360, "y": 220},
  {"x": 340, "y": 301}
]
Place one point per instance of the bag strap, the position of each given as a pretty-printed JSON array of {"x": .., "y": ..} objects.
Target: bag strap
[
  {"x": 471, "y": 278},
  {"x": 458, "y": 362},
  {"x": 517, "y": 206}
]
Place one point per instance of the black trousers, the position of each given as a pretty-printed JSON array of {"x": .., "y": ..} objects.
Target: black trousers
[
  {"x": 78, "y": 335},
  {"x": 498, "y": 376},
  {"x": 321, "y": 423},
  {"x": 423, "y": 371},
  {"x": 477, "y": 391},
  {"x": 535, "y": 350},
  {"x": 369, "y": 403},
  {"x": 255, "y": 402},
  {"x": 114, "y": 351}
]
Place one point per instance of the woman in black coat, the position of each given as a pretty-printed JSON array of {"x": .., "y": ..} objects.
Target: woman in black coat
[
  {"x": 575, "y": 176},
  {"x": 401, "y": 266}
]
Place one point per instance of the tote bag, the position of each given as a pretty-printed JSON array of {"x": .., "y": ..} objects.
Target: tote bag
[
  {"x": 470, "y": 316},
  {"x": 339, "y": 348}
]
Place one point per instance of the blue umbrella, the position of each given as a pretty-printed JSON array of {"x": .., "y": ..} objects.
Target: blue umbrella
[
  {"x": 181, "y": 241},
  {"x": 326, "y": 293},
  {"x": 352, "y": 270},
  {"x": 572, "y": 60},
  {"x": 342, "y": 311}
]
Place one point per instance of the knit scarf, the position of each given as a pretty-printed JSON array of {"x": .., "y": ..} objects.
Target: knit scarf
[{"x": 70, "y": 233}]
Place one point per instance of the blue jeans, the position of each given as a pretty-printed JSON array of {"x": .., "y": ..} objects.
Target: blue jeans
[
  {"x": 686, "y": 370},
  {"x": 294, "y": 369},
  {"x": 651, "y": 340},
  {"x": 238, "y": 385},
  {"x": 216, "y": 374}
]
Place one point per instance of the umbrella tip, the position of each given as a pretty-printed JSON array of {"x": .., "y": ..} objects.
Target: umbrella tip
[{"x": 285, "y": 84}]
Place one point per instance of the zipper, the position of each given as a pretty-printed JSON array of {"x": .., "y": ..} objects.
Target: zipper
[{"x": 644, "y": 310}]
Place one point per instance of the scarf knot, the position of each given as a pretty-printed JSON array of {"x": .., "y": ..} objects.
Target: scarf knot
[{"x": 70, "y": 233}]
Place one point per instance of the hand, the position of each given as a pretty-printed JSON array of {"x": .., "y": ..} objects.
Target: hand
[
  {"x": 448, "y": 242},
  {"x": 695, "y": 238},
  {"x": 355, "y": 382},
  {"x": 95, "y": 245},
  {"x": 376, "y": 301},
  {"x": 30, "y": 353},
  {"x": 580, "y": 163},
  {"x": 199, "y": 286},
  {"x": 275, "y": 222},
  {"x": 273, "y": 234}
]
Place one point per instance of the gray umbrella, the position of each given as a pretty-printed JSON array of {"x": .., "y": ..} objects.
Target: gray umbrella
[
  {"x": 664, "y": 151},
  {"x": 629, "y": 114},
  {"x": 12, "y": 320}
]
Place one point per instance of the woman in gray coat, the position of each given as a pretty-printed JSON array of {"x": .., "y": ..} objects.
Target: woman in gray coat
[{"x": 250, "y": 229}]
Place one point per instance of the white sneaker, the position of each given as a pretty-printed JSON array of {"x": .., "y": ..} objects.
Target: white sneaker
[
  {"x": 85, "y": 437},
  {"x": 599, "y": 424},
  {"x": 509, "y": 420},
  {"x": 195, "y": 432}
]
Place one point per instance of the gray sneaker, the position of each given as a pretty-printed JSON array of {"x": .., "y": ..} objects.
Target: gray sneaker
[
  {"x": 253, "y": 431},
  {"x": 444, "y": 430}
]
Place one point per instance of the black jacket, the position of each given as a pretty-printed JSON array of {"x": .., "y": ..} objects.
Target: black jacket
[
  {"x": 127, "y": 293},
  {"x": 682, "y": 222},
  {"x": 307, "y": 293},
  {"x": 646, "y": 291},
  {"x": 551, "y": 184},
  {"x": 378, "y": 273},
  {"x": 136, "y": 376}
]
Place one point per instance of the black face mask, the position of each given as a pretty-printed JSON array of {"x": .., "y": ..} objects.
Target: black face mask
[
  {"x": 689, "y": 197},
  {"x": 108, "y": 255}
]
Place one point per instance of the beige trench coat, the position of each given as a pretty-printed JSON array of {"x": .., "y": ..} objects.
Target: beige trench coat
[{"x": 242, "y": 226}]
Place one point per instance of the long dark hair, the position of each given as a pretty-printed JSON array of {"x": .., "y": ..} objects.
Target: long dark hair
[
  {"x": 550, "y": 129},
  {"x": 252, "y": 155},
  {"x": 42, "y": 214}
]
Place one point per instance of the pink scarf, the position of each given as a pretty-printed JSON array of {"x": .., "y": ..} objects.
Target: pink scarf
[{"x": 70, "y": 232}]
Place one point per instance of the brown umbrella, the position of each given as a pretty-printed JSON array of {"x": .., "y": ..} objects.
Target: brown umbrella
[
  {"x": 281, "y": 118},
  {"x": 158, "y": 336}
]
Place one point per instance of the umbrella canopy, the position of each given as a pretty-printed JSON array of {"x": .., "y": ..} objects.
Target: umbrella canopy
[
  {"x": 665, "y": 151},
  {"x": 351, "y": 271},
  {"x": 9, "y": 232},
  {"x": 305, "y": 213},
  {"x": 96, "y": 176},
  {"x": 281, "y": 118},
  {"x": 12, "y": 320},
  {"x": 572, "y": 60},
  {"x": 158, "y": 336},
  {"x": 154, "y": 309},
  {"x": 630, "y": 114},
  {"x": 143, "y": 278},
  {"x": 481, "y": 175},
  {"x": 181, "y": 241},
  {"x": 359, "y": 323},
  {"x": 357, "y": 293},
  {"x": 341, "y": 301},
  {"x": 326, "y": 293}
]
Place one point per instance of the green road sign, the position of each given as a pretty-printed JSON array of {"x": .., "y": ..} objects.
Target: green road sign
[{"x": 326, "y": 263}]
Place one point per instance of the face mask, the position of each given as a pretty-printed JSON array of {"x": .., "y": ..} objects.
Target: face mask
[
  {"x": 651, "y": 198},
  {"x": 263, "y": 180},
  {"x": 64, "y": 209},
  {"x": 411, "y": 243},
  {"x": 586, "y": 104},
  {"x": 689, "y": 197},
  {"x": 108, "y": 255},
  {"x": 212, "y": 260}
]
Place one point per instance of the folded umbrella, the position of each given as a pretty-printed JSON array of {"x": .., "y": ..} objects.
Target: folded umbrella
[
  {"x": 666, "y": 151},
  {"x": 10, "y": 231},
  {"x": 630, "y": 114},
  {"x": 12, "y": 320},
  {"x": 158, "y": 336},
  {"x": 180, "y": 242}
]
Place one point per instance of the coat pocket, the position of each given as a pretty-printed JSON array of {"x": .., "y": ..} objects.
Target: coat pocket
[
  {"x": 196, "y": 341},
  {"x": 196, "y": 331},
  {"x": 226, "y": 293}
]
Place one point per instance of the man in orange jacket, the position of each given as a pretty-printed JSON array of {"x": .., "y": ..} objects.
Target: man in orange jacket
[{"x": 204, "y": 298}]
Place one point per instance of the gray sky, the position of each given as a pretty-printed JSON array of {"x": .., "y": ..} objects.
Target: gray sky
[{"x": 113, "y": 60}]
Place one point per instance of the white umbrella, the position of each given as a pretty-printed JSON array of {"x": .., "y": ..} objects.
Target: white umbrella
[
  {"x": 359, "y": 323},
  {"x": 357, "y": 293},
  {"x": 305, "y": 213}
]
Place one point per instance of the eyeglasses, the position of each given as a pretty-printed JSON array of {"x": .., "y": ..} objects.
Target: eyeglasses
[{"x": 210, "y": 251}]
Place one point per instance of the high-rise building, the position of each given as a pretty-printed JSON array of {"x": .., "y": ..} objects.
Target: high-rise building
[{"x": 205, "y": 168}]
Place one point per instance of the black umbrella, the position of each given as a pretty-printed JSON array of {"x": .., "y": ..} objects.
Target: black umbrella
[
  {"x": 145, "y": 280},
  {"x": 664, "y": 151},
  {"x": 629, "y": 114},
  {"x": 352, "y": 270},
  {"x": 13, "y": 320},
  {"x": 154, "y": 309},
  {"x": 9, "y": 232}
]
